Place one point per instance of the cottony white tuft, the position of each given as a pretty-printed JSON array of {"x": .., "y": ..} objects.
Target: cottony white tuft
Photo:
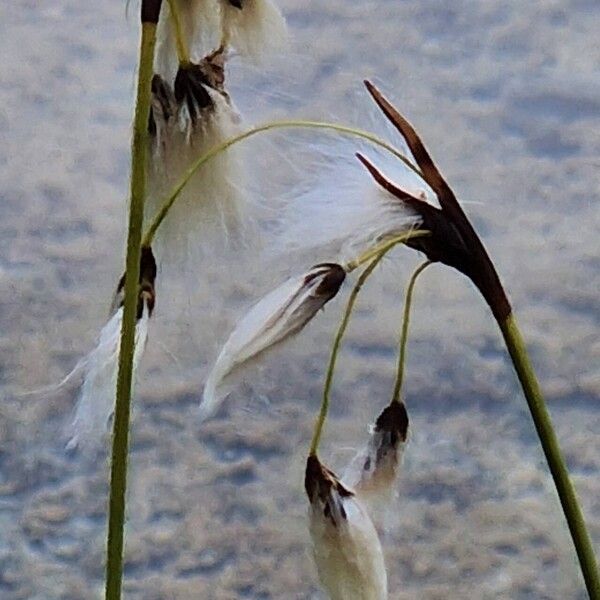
[
  {"x": 342, "y": 212},
  {"x": 373, "y": 473},
  {"x": 280, "y": 314},
  {"x": 200, "y": 25},
  {"x": 253, "y": 27},
  {"x": 212, "y": 208},
  {"x": 346, "y": 546},
  {"x": 96, "y": 399}
]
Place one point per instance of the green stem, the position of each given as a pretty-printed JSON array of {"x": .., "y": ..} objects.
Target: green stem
[
  {"x": 404, "y": 333},
  {"x": 183, "y": 53},
  {"x": 120, "y": 440},
  {"x": 334, "y": 353},
  {"x": 292, "y": 124},
  {"x": 383, "y": 247},
  {"x": 556, "y": 462},
  {"x": 382, "y": 251}
]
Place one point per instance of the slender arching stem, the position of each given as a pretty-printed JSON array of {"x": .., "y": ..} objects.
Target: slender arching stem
[
  {"x": 183, "y": 52},
  {"x": 322, "y": 416},
  {"x": 120, "y": 441},
  {"x": 291, "y": 124},
  {"x": 404, "y": 332}
]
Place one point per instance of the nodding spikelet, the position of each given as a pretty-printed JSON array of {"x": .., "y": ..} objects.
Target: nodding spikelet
[
  {"x": 374, "y": 471},
  {"x": 346, "y": 547},
  {"x": 254, "y": 28},
  {"x": 188, "y": 120},
  {"x": 96, "y": 399},
  {"x": 279, "y": 315}
]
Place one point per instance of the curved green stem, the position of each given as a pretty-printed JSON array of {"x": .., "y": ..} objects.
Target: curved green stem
[
  {"x": 291, "y": 124},
  {"x": 404, "y": 334},
  {"x": 334, "y": 353},
  {"x": 183, "y": 53},
  {"x": 120, "y": 440},
  {"x": 383, "y": 250},
  {"x": 556, "y": 462},
  {"x": 383, "y": 247}
]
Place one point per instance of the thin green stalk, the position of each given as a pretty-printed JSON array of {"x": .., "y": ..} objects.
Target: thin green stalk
[
  {"x": 404, "y": 333},
  {"x": 292, "y": 124},
  {"x": 334, "y": 353},
  {"x": 120, "y": 440},
  {"x": 383, "y": 247},
  {"x": 556, "y": 462},
  {"x": 183, "y": 53},
  {"x": 383, "y": 250}
]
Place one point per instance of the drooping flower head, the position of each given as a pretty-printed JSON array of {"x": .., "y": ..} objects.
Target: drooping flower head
[
  {"x": 279, "y": 315},
  {"x": 373, "y": 472},
  {"x": 95, "y": 404},
  {"x": 346, "y": 547},
  {"x": 189, "y": 117}
]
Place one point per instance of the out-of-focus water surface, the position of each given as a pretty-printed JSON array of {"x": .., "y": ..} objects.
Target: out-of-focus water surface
[{"x": 507, "y": 97}]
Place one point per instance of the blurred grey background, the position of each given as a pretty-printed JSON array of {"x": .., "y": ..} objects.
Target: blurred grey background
[{"x": 506, "y": 95}]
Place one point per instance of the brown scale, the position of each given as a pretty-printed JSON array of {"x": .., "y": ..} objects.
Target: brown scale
[
  {"x": 193, "y": 81},
  {"x": 331, "y": 283},
  {"x": 164, "y": 106},
  {"x": 146, "y": 293},
  {"x": 392, "y": 423},
  {"x": 452, "y": 240},
  {"x": 322, "y": 484}
]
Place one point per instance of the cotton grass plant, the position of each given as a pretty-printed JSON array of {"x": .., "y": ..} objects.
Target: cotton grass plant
[{"x": 187, "y": 195}]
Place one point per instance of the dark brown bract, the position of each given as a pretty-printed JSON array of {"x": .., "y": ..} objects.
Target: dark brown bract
[
  {"x": 324, "y": 488},
  {"x": 453, "y": 240}
]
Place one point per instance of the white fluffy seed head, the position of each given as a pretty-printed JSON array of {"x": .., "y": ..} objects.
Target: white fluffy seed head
[
  {"x": 254, "y": 28},
  {"x": 201, "y": 25},
  {"x": 279, "y": 315},
  {"x": 346, "y": 547},
  {"x": 340, "y": 211},
  {"x": 373, "y": 473},
  {"x": 212, "y": 211},
  {"x": 96, "y": 398}
]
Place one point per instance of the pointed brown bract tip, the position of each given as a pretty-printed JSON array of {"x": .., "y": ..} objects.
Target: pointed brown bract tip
[
  {"x": 390, "y": 187},
  {"x": 372, "y": 89},
  {"x": 454, "y": 241},
  {"x": 390, "y": 112},
  {"x": 364, "y": 160},
  {"x": 393, "y": 420},
  {"x": 428, "y": 169}
]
